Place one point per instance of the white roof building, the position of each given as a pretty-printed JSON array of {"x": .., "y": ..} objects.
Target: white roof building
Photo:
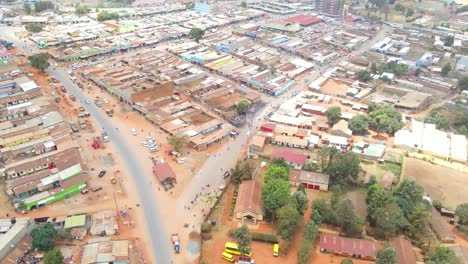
[{"x": 427, "y": 138}]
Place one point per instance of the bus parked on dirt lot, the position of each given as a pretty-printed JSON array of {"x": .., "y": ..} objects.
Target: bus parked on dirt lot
[{"x": 232, "y": 248}]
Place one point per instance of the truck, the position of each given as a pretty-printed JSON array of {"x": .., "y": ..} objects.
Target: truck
[
  {"x": 105, "y": 137},
  {"x": 176, "y": 242}
]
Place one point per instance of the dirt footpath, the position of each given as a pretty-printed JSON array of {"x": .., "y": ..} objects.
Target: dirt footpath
[{"x": 444, "y": 184}]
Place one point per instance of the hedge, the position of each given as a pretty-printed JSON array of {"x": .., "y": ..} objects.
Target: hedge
[{"x": 260, "y": 237}]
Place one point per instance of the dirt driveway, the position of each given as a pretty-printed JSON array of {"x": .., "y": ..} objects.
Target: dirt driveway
[{"x": 444, "y": 184}]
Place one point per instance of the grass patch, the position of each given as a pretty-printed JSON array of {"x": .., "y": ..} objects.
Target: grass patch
[{"x": 394, "y": 168}]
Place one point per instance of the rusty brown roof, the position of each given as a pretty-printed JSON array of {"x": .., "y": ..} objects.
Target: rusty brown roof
[
  {"x": 404, "y": 249},
  {"x": 163, "y": 171},
  {"x": 249, "y": 197}
]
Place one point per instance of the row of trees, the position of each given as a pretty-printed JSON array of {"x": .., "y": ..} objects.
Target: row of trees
[
  {"x": 104, "y": 15},
  {"x": 38, "y": 6},
  {"x": 34, "y": 27}
]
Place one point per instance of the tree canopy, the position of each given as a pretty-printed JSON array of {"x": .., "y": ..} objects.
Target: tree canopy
[
  {"x": 409, "y": 194},
  {"x": 300, "y": 201},
  {"x": 40, "y": 61},
  {"x": 242, "y": 171},
  {"x": 419, "y": 220},
  {"x": 347, "y": 219},
  {"x": 389, "y": 221},
  {"x": 385, "y": 119},
  {"x": 275, "y": 194},
  {"x": 364, "y": 76},
  {"x": 178, "y": 142},
  {"x": 377, "y": 197},
  {"x": 27, "y": 8},
  {"x": 359, "y": 124},
  {"x": 82, "y": 10},
  {"x": 462, "y": 213},
  {"x": 196, "y": 33},
  {"x": 344, "y": 168},
  {"x": 53, "y": 256},
  {"x": 42, "y": 236},
  {"x": 333, "y": 114},
  {"x": 43, "y": 5},
  {"x": 104, "y": 15},
  {"x": 463, "y": 83},
  {"x": 448, "y": 41},
  {"x": 304, "y": 253},
  {"x": 435, "y": 117},
  {"x": 34, "y": 27},
  {"x": 310, "y": 231},
  {"x": 276, "y": 172},
  {"x": 443, "y": 255},
  {"x": 243, "y": 238},
  {"x": 289, "y": 221},
  {"x": 387, "y": 255},
  {"x": 243, "y": 106},
  {"x": 446, "y": 69}
]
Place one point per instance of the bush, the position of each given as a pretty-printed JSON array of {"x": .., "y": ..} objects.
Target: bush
[
  {"x": 206, "y": 227},
  {"x": 206, "y": 236},
  {"x": 463, "y": 229},
  {"x": 259, "y": 237}
]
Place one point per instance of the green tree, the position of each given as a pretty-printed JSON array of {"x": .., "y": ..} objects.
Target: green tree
[
  {"x": 316, "y": 217},
  {"x": 364, "y": 76},
  {"x": 42, "y": 236},
  {"x": 243, "y": 106},
  {"x": 325, "y": 156},
  {"x": 442, "y": 255},
  {"x": 377, "y": 197},
  {"x": 82, "y": 10},
  {"x": 247, "y": 171},
  {"x": 243, "y": 238},
  {"x": 275, "y": 194},
  {"x": 27, "y": 8},
  {"x": 276, "y": 172},
  {"x": 237, "y": 173},
  {"x": 289, "y": 221},
  {"x": 53, "y": 256},
  {"x": 409, "y": 194},
  {"x": 305, "y": 252},
  {"x": 419, "y": 221},
  {"x": 280, "y": 162},
  {"x": 389, "y": 221},
  {"x": 34, "y": 27},
  {"x": 347, "y": 219},
  {"x": 22, "y": 205},
  {"x": 435, "y": 117},
  {"x": 387, "y": 255},
  {"x": 344, "y": 168},
  {"x": 42, "y": 5},
  {"x": 446, "y": 69},
  {"x": 333, "y": 114},
  {"x": 310, "y": 231},
  {"x": 359, "y": 124},
  {"x": 243, "y": 4},
  {"x": 418, "y": 72},
  {"x": 400, "y": 8},
  {"x": 311, "y": 166},
  {"x": 386, "y": 119},
  {"x": 178, "y": 142},
  {"x": 374, "y": 67},
  {"x": 300, "y": 200},
  {"x": 462, "y": 213},
  {"x": 448, "y": 41},
  {"x": 40, "y": 61},
  {"x": 409, "y": 12},
  {"x": 190, "y": 5},
  {"x": 196, "y": 33},
  {"x": 463, "y": 83},
  {"x": 327, "y": 215},
  {"x": 372, "y": 106},
  {"x": 104, "y": 15},
  {"x": 347, "y": 261}
]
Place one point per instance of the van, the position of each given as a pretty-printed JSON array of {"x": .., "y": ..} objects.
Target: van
[
  {"x": 275, "y": 250},
  {"x": 227, "y": 256},
  {"x": 105, "y": 137}
]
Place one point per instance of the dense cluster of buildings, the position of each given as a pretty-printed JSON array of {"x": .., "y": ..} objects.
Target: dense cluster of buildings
[{"x": 40, "y": 161}]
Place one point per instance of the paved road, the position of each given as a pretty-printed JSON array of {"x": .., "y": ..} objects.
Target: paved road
[{"x": 161, "y": 247}]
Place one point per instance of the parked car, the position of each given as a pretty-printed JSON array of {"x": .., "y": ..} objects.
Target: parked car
[
  {"x": 95, "y": 189},
  {"x": 82, "y": 109},
  {"x": 134, "y": 132},
  {"x": 181, "y": 160},
  {"x": 84, "y": 191},
  {"x": 88, "y": 102},
  {"x": 152, "y": 150},
  {"x": 227, "y": 174},
  {"x": 102, "y": 173},
  {"x": 105, "y": 100},
  {"x": 98, "y": 103}
]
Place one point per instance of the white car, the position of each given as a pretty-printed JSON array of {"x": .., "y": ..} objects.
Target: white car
[
  {"x": 105, "y": 100},
  {"x": 150, "y": 138},
  {"x": 181, "y": 160},
  {"x": 134, "y": 132}
]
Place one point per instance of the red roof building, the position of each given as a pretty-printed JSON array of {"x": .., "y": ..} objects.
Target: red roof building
[
  {"x": 297, "y": 160},
  {"x": 349, "y": 247},
  {"x": 404, "y": 249},
  {"x": 164, "y": 173},
  {"x": 304, "y": 20}
]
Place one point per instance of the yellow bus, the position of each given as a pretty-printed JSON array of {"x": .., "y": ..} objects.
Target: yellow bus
[
  {"x": 232, "y": 248},
  {"x": 275, "y": 250},
  {"x": 227, "y": 256}
]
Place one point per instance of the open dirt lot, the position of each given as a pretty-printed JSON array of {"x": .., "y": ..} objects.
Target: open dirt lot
[{"x": 441, "y": 183}]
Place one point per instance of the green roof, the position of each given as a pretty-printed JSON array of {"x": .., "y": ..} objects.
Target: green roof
[{"x": 74, "y": 221}]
